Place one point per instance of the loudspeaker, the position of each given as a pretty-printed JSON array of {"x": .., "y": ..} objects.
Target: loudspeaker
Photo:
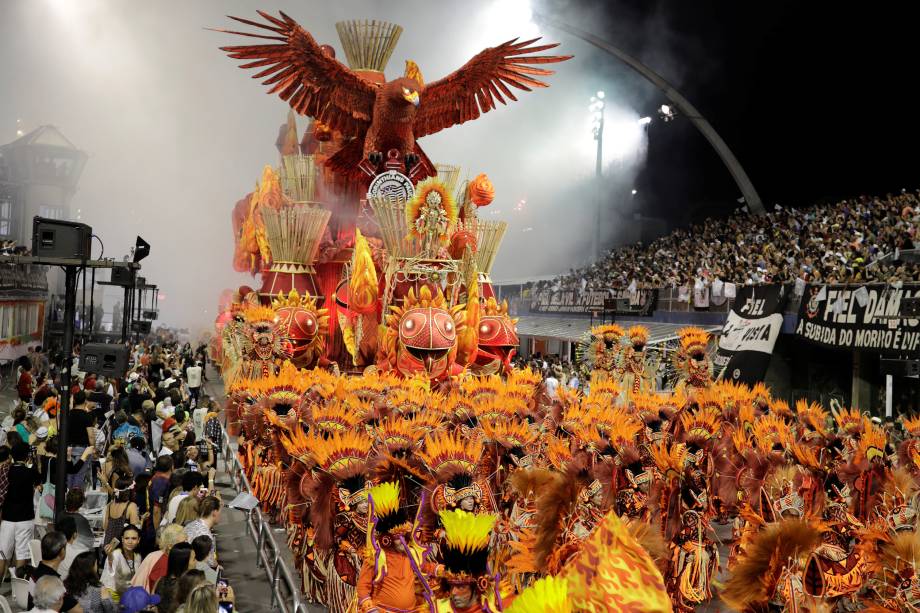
[
  {"x": 900, "y": 368},
  {"x": 151, "y": 315},
  {"x": 54, "y": 238},
  {"x": 104, "y": 359},
  {"x": 140, "y": 326},
  {"x": 123, "y": 277}
]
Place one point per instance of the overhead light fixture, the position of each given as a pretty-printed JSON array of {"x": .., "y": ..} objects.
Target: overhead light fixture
[
  {"x": 600, "y": 95},
  {"x": 634, "y": 192},
  {"x": 644, "y": 121}
]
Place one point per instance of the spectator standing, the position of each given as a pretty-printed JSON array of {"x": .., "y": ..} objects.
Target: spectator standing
[
  {"x": 122, "y": 562},
  {"x": 137, "y": 456},
  {"x": 5, "y": 462},
  {"x": 191, "y": 484},
  {"x": 83, "y": 583},
  {"x": 121, "y": 511},
  {"x": 187, "y": 584},
  {"x": 181, "y": 559},
  {"x": 193, "y": 377},
  {"x": 159, "y": 488},
  {"x": 25, "y": 384},
  {"x": 81, "y": 433},
  {"x": 154, "y": 566},
  {"x": 18, "y": 511},
  {"x": 53, "y": 546},
  {"x": 102, "y": 399},
  {"x": 208, "y": 516}
]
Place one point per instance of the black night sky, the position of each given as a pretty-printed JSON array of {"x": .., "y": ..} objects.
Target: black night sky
[{"x": 815, "y": 99}]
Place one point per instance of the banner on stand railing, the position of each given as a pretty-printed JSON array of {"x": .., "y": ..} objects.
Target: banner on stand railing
[
  {"x": 639, "y": 302},
  {"x": 873, "y": 317},
  {"x": 750, "y": 333}
]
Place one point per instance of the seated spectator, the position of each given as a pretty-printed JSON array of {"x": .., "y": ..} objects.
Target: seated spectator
[
  {"x": 188, "y": 582},
  {"x": 53, "y": 547},
  {"x": 121, "y": 511},
  {"x": 82, "y": 582},
  {"x": 122, "y": 561},
  {"x": 73, "y": 502},
  {"x": 188, "y": 510},
  {"x": 181, "y": 559},
  {"x": 153, "y": 568},
  {"x": 20, "y": 424},
  {"x": 208, "y": 516},
  {"x": 191, "y": 484},
  {"x": 137, "y": 455},
  {"x": 49, "y": 596},
  {"x": 203, "y": 546},
  {"x": 68, "y": 527}
]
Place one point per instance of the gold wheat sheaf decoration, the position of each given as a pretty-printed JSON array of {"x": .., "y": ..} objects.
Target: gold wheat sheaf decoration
[
  {"x": 298, "y": 177},
  {"x": 368, "y": 43},
  {"x": 294, "y": 233},
  {"x": 391, "y": 217},
  {"x": 489, "y": 235}
]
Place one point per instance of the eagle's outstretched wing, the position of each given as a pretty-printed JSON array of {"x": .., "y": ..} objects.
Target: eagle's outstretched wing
[
  {"x": 312, "y": 82},
  {"x": 472, "y": 90}
]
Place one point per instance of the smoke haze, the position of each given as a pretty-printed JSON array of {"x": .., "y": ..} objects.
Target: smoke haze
[{"x": 176, "y": 133}]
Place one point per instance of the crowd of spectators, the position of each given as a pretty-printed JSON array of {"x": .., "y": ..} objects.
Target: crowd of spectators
[
  {"x": 826, "y": 243},
  {"x": 144, "y": 449}
]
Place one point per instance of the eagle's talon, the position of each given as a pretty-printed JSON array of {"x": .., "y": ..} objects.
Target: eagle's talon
[
  {"x": 411, "y": 160},
  {"x": 375, "y": 158}
]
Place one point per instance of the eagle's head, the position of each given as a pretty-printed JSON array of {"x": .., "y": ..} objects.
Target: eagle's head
[{"x": 403, "y": 92}]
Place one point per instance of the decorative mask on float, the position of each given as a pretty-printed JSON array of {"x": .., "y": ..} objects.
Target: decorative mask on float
[
  {"x": 303, "y": 325},
  {"x": 421, "y": 335},
  {"x": 261, "y": 333},
  {"x": 498, "y": 340}
]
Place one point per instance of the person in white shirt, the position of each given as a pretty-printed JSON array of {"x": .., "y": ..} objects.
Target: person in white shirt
[
  {"x": 551, "y": 384},
  {"x": 193, "y": 377}
]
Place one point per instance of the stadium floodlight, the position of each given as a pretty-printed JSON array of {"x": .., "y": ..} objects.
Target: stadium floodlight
[
  {"x": 644, "y": 121},
  {"x": 634, "y": 192},
  {"x": 600, "y": 95},
  {"x": 666, "y": 112}
]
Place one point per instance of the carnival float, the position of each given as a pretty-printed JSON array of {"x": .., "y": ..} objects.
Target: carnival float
[{"x": 369, "y": 379}]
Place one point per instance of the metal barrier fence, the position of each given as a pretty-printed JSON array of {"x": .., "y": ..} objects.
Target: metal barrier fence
[{"x": 285, "y": 590}]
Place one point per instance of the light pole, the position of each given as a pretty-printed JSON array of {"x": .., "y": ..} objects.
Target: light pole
[{"x": 597, "y": 123}]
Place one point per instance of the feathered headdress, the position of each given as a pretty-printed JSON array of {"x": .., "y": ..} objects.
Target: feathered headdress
[
  {"x": 813, "y": 415},
  {"x": 670, "y": 460},
  {"x": 258, "y": 313},
  {"x": 638, "y": 335},
  {"x": 509, "y": 433},
  {"x": 614, "y": 331},
  {"x": 546, "y": 595},
  {"x": 448, "y": 452},
  {"x": 465, "y": 550},
  {"x": 912, "y": 425},
  {"x": 336, "y": 416},
  {"x": 872, "y": 443},
  {"x": 849, "y": 420},
  {"x": 693, "y": 339}
]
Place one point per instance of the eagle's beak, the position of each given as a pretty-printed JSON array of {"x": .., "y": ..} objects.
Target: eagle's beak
[{"x": 413, "y": 98}]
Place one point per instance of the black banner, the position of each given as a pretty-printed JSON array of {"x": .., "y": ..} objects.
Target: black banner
[
  {"x": 640, "y": 302},
  {"x": 750, "y": 333},
  {"x": 873, "y": 317}
]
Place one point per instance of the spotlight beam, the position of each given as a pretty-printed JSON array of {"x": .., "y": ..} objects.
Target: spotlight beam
[{"x": 688, "y": 110}]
